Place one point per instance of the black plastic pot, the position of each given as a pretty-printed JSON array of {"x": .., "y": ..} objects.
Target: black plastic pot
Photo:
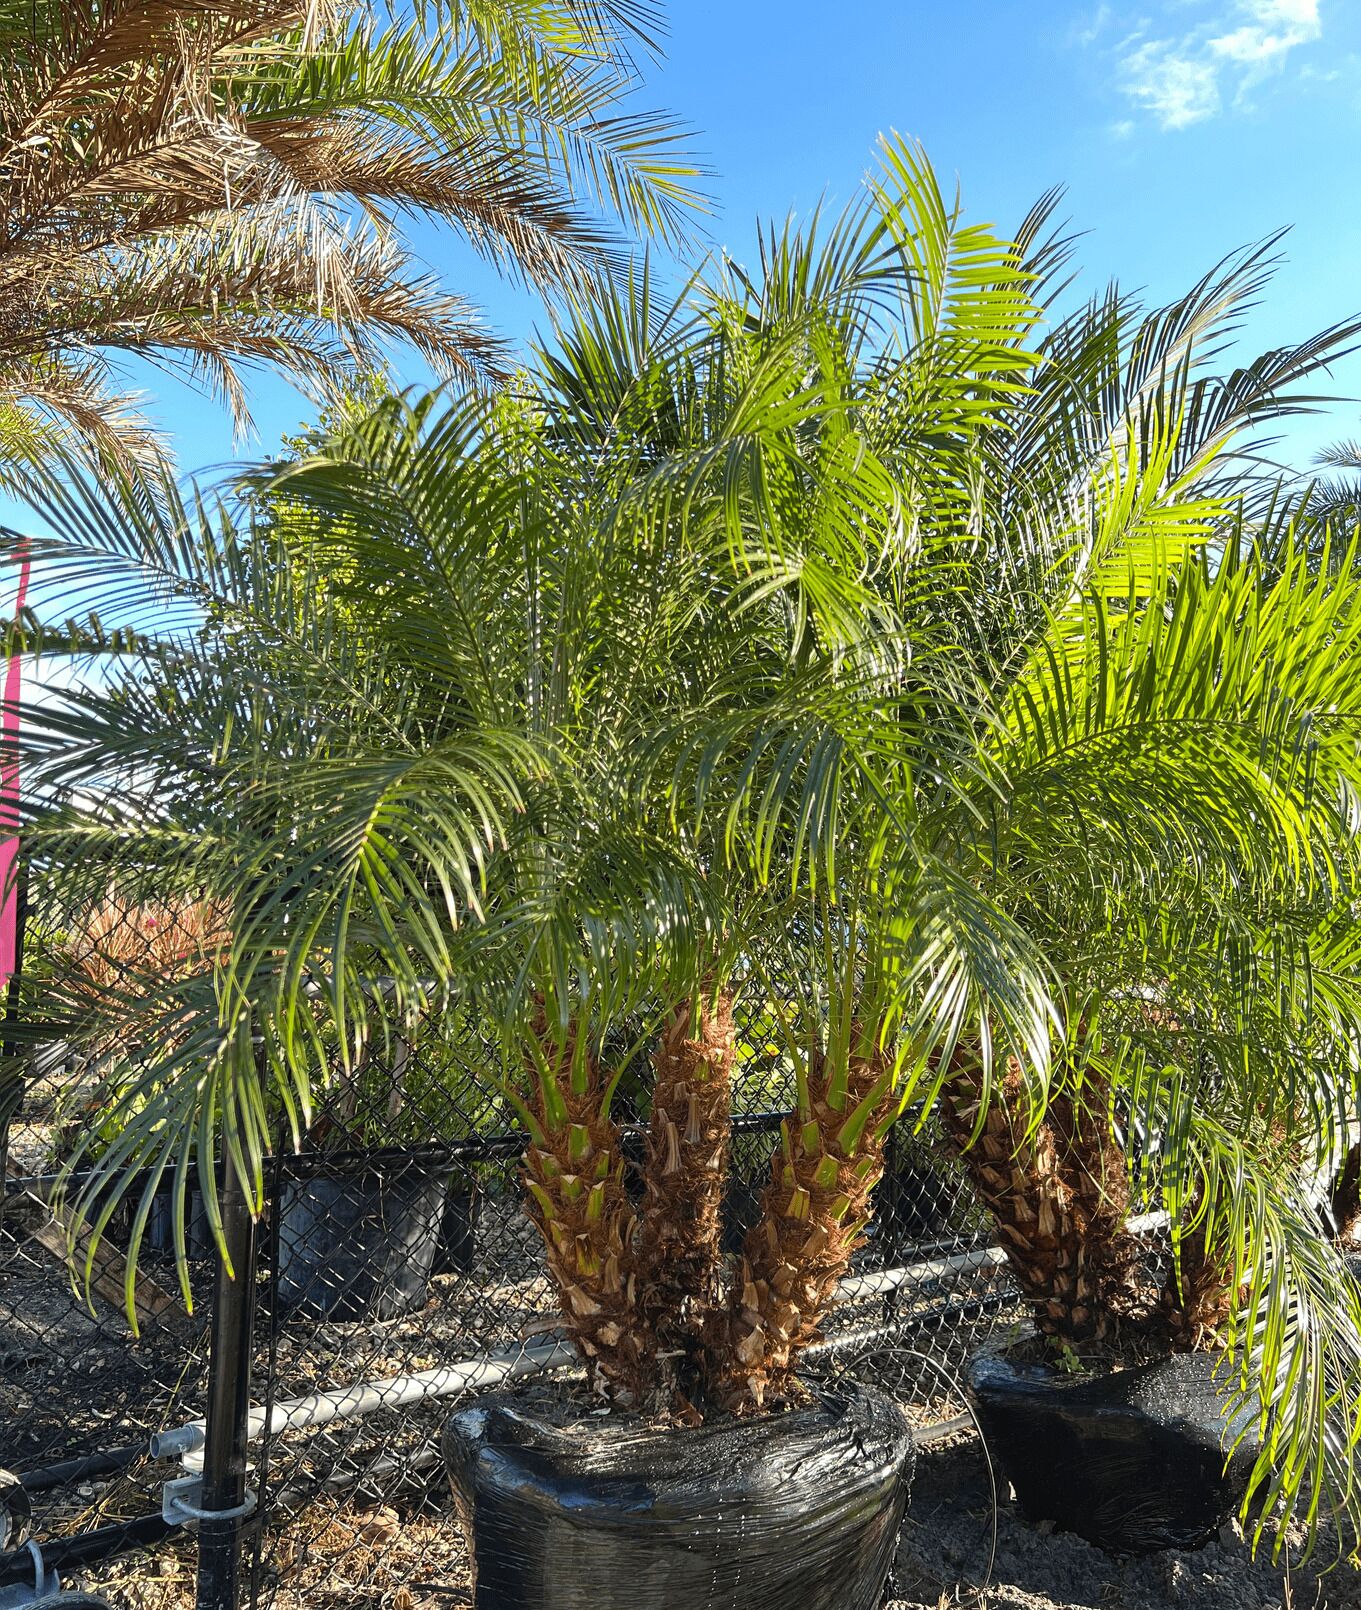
[
  {"x": 797, "y": 1511},
  {"x": 1133, "y": 1461},
  {"x": 456, "y": 1246},
  {"x": 160, "y": 1225},
  {"x": 359, "y": 1243},
  {"x": 633, "y": 1145},
  {"x": 741, "y": 1210},
  {"x": 907, "y": 1206}
]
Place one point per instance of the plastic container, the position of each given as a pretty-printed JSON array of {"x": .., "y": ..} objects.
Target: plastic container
[
  {"x": 1134, "y": 1461},
  {"x": 741, "y": 1211},
  {"x": 199, "y": 1245},
  {"x": 359, "y": 1241},
  {"x": 796, "y": 1511},
  {"x": 908, "y": 1209},
  {"x": 456, "y": 1246}
]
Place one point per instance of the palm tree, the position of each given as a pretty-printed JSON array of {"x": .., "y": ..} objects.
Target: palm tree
[
  {"x": 219, "y": 187},
  {"x": 839, "y": 624}
]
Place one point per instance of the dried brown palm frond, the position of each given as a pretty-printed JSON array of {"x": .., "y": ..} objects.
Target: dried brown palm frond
[
  {"x": 117, "y": 943},
  {"x": 219, "y": 183},
  {"x": 63, "y": 403}
]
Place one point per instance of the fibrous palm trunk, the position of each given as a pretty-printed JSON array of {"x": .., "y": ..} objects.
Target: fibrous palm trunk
[
  {"x": 1198, "y": 1295},
  {"x": 678, "y": 1257},
  {"x": 1059, "y": 1197},
  {"x": 574, "y": 1173},
  {"x": 1095, "y": 1167},
  {"x": 813, "y": 1213}
]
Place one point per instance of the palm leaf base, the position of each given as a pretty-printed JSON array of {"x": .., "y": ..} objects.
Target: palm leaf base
[
  {"x": 576, "y": 1198},
  {"x": 678, "y": 1255},
  {"x": 1026, "y": 1186},
  {"x": 814, "y": 1211}
]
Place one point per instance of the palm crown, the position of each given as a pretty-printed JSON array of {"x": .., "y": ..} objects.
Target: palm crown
[{"x": 843, "y": 620}]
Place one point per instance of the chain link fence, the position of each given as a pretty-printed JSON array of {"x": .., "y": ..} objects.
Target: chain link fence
[{"x": 395, "y": 1273}]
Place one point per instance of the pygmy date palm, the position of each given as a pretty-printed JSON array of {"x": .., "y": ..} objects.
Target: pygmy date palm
[
  {"x": 219, "y": 186},
  {"x": 843, "y": 625}
]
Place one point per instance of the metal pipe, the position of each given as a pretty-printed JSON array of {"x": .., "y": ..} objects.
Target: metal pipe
[
  {"x": 222, "y": 1493},
  {"x": 104, "y": 1463},
  {"x": 491, "y": 1369},
  {"x": 855, "y": 1287},
  {"x": 62, "y": 1554},
  {"x": 345, "y": 1403}
]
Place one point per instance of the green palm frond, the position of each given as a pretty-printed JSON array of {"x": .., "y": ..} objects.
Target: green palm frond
[{"x": 846, "y": 622}]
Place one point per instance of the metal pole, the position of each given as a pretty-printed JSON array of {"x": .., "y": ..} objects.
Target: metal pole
[
  {"x": 222, "y": 1497},
  {"x": 11, "y": 1081},
  {"x": 889, "y": 1212}
]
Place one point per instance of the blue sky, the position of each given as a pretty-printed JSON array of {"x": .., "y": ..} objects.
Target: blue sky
[{"x": 1181, "y": 129}]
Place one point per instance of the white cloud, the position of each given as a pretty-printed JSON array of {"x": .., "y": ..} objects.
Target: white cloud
[
  {"x": 1276, "y": 28},
  {"x": 1189, "y": 73},
  {"x": 1175, "y": 87},
  {"x": 1088, "y": 29}
]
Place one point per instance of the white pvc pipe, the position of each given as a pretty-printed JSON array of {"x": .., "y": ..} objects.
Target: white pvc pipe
[
  {"x": 855, "y": 1287},
  {"x": 492, "y": 1369},
  {"x": 345, "y": 1403}
]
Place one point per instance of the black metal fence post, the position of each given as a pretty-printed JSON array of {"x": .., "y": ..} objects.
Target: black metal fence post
[
  {"x": 222, "y": 1500},
  {"x": 11, "y": 1075}
]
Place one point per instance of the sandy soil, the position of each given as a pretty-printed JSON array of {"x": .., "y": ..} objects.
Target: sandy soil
[
  {"x": 946, "y": 1556},
  {"x": 409, "y": 1556}
]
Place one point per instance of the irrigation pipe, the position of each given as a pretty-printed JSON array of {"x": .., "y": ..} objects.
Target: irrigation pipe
[
  {"x": 496, "y": 1368},
  {"x": 493, "y": 1369}
]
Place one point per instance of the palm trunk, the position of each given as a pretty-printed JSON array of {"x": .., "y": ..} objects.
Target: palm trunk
[
  {"x": 1095, "y": 1168},
  {"x": 678, "y": 1258},
  {"x": 1345, "y": 1197},
  {"x": 1196, "y": 1307},
  {"x": 814, "y": 1211},
  {"x": 574, "y": 1175},
  {"x": 1042, "y": 1218}
]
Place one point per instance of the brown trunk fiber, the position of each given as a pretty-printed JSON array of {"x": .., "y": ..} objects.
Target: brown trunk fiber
[
  {"x": 576, "y": 1198},
  {"x": 1025, "y": 1186},
  {"x": 678, "y": 1256},
  {"x": 1196, "y": 1309},
  {"x": 813, "y": 1214},
  {"x": 1094, "y": 1166}
]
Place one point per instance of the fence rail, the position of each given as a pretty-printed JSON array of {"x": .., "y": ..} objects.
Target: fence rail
[{"x": 393, "y": 1271}]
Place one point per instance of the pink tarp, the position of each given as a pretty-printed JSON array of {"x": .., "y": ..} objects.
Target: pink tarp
[{"x": 9, "y": 803}]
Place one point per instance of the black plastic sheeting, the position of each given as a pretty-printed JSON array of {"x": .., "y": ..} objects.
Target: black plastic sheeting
[
  {"x": 797, "y": 1511},
  {"x": 68, "y": 1601},
  {"x": 1133, "y": 1461}
]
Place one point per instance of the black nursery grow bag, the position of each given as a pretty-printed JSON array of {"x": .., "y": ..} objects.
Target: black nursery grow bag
[
  {"x": 1134, "y": 1461},
  {"x": 797, "y": 1511}
]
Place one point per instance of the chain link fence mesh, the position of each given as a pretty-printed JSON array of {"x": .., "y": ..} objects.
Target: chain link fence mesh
[{"x": 397, "y": 1274}]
